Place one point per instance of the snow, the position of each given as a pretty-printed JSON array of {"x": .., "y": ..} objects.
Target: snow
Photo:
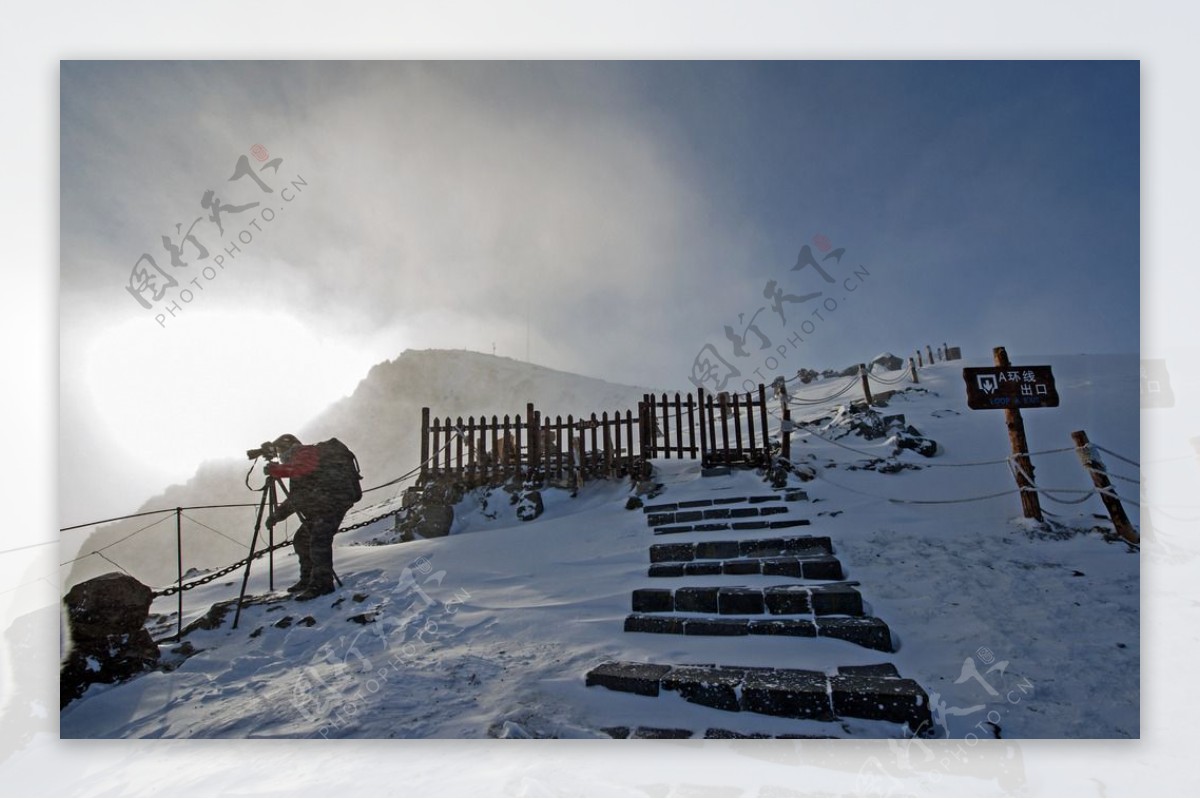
[{"x": 490, "y": 631}]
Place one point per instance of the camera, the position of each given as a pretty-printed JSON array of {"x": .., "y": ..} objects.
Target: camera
[{"x": 266, "y": 450}]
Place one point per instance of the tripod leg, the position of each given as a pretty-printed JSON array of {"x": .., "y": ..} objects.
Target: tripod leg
[
  {"x": 250, "y": 560},
  {"x": 271, "y": 538}
]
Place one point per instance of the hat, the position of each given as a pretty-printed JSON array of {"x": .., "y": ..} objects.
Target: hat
[{"x": 286, "y": 442}]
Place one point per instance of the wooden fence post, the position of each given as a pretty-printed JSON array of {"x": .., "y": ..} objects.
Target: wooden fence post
[
  {"x": 1030, "y": 504},
  {"x": 458, "y": 449},
  {"x": 912, "y": 370},
  {"x": 787, "y": 434},
  {"x": 532, "y": 426},
  {"x": 692, "y": 427},
  {"x": 424, "y": 442},
  {"x": 866, "y": 382},
  {"x": 920, "y": 360},
  {"x": 762, "y": 420},
  {"x": 929, "y": 350},
  {"x": 1095, "y": 467},
  {"x": 724, "y": 398}
]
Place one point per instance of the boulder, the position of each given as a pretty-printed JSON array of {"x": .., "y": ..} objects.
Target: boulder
[
  {"x": 106, "y": 617},
  {"x": 886, "y": 363},
  {"x": 433, "y": 520},
  {"x": 529, "y": 506}
]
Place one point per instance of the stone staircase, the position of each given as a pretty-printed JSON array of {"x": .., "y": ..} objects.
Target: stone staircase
[{"x": 825, "y": 605}]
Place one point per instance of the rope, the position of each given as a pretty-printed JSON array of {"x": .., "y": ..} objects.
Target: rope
[
  {"x": 1119, "y": 477},
  {"x": 898, "y": 501},
  {"x": 114, "y": 543},
  {"x": 1117, "y": 455},
  {"x": 113, "y": 562},
  {"x": 891, "y": 381},
  {"x": 820, "y": 400},
  {"x": 810, "y": 431},
  {"x": 213, "y": 529},
  {"x": 116, "y": 519}
]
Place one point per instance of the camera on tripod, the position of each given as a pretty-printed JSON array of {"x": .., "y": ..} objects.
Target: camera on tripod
[{"x": 267, "y": 450}]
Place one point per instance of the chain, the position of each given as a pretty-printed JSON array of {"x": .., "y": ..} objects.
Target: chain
[
  {"x": 380, "y": 517},
  {"x": 208, "y": 578}
]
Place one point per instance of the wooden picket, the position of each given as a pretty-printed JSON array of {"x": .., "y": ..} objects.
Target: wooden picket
[{"x": 483, "y": 450}]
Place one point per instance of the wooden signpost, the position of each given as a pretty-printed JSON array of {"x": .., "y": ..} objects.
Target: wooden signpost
[{"x": 1010, "y": 388}]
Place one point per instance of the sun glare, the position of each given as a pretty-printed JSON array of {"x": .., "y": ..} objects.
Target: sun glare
[{"x": 212, "y": 385}]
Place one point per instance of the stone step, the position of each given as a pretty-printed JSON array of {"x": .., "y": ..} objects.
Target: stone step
[
  {"x": 712, "y": 733},
  {"x": 822, "y": 568},
  {"x": 755, "y": 524},
  {"x": 809, "y": 546},
  {"x": 865, "y": 631},
  {"x": 790, "y": 693},
  {"x": 778, "y": 600},
  {"x": 791, "y": 495}
]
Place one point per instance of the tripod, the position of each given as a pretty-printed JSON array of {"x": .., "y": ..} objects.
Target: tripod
[{"x": 268, "y": 500}]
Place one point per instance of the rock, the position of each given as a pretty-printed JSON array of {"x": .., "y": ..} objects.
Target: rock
[
  {"x": 919, "y": 444},
  {"x": 633, "y": 503},
  {"x": 886, "y": 363},
  {"x": 433, "y": 521},
  {"x": 108, "y": 604},
  {"x": 109, "y": 641},
  {"x": 529, "y": 506}
]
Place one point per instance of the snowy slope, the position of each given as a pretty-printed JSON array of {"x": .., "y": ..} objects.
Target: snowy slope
[{"x": 489, "y": 632}]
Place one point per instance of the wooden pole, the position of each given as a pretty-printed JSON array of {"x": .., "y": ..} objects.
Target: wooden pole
[
  {"x": 1030, "y": 505},
  {"x": 912, "y": 370},
  {"x": 920, "y": 360},
  {"x": 1116, "y": 511},
  {"x": 866, "y": 383},
  {"x": 532, "y": 428},
  {"x": 787, "y": 434},
  {"x": 424, "y": 442},
  {"x": 929, "y": 350},
  {"x": 762, "y": 419}
]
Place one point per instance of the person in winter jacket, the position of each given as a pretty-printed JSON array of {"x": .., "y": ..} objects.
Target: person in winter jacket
[{"x": 315, "y": 492}]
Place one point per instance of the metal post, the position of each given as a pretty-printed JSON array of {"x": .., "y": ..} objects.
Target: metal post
[
  {"x": 179, "y": 564},
  {"x": 271, "y": 541}
]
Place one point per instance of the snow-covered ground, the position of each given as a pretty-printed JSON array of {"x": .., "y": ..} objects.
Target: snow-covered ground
[{"x": 1012, "y": 629}]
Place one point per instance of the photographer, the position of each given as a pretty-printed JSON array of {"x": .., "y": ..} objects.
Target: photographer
[{"x": 324, "y": 485}]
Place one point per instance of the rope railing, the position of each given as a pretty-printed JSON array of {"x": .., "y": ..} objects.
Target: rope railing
[{"x": 179, "y": 587}]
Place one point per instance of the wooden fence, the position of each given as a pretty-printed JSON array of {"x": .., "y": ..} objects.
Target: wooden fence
[{"x": 726, "y": 428}]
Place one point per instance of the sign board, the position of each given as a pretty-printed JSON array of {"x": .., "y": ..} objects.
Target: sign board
[
  {"x": 1010, "y": 387},
  {"x": 953, "y": 354}
]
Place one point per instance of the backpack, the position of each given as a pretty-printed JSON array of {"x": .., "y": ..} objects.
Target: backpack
[{"x": 340, "y": 478}]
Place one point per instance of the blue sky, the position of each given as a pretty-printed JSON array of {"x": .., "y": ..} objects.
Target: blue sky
[{"x": 614, "y": 215}]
